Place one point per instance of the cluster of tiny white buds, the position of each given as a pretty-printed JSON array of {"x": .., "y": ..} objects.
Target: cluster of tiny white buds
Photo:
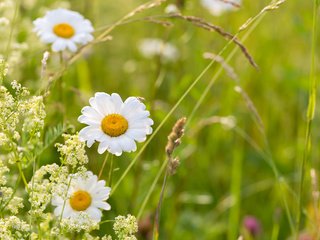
[
  {"x": 83, "y": 222},
  {"x": 14, "y": 228},
  {"x": 125, "y": 227},
  {"x": 47, "y": 180},
  {"x": 73, "y": 151},
  {"x": 12, "y": 203}
]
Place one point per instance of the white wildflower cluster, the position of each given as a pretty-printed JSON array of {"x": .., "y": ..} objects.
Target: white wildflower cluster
[
  {"x": 43, "y": 184},
  {"x": 153, "y": 47},
  {"x": 65, "y": 201},
  {"x": 73, "y": 151},
  {"x": 12, "y": 228},
  {"x": 125, "y": 227},
  {"x": 34, "y": 116},
  {"x": 14, "y": 203},
  {"x": 21, "y": 123},
  {"x": 8, "y": 202},
  {"x": 3, "y": 170},
  {"x": 78, "y": 199},
  {"x": 9, "y": 119},
  {"x": 83, "y": 222}
]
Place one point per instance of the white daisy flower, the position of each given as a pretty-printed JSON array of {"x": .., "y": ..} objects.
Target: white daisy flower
[
  {"x": 115, "y": 124},
  {"x": 152, "y": 47},
  {"x": 217, "y": 7},
  {"x": 64, "y": 29},
  {"x": 85, "y": 195}
]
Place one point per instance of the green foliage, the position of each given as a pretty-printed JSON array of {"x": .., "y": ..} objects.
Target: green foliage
[{"x": 244, "y": 140}]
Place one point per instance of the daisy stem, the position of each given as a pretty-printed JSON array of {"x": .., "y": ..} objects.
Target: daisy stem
[
  {"x": 103, "y": 165},
  {"x": 61, "y": 88},
  {"x": 110, "y": 172}
]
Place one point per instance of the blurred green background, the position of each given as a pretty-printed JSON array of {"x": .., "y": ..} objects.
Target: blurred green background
[{"x": 222, "y": 177}]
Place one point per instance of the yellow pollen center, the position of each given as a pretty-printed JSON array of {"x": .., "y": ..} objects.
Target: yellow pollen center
[
  {"x": 80, "y": 200},
  {"x": 114, "y": 125},
  {"x": 63, "y": 30}
]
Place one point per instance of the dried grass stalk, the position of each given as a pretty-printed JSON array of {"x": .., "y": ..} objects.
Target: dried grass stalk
[{"x": 199, "y": 22}]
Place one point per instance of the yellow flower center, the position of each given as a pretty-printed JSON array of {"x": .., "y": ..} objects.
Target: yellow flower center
[
  {"x": 114, "y": 125},
  {"x": 63, "y": 30},
  {"x": 80, "y": 200}
]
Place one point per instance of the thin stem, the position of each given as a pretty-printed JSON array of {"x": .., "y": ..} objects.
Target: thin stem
[
  {"x": 23, "y": 176},
  {"x": 32, "y": 184},
  {"x": 65, "y": 200},
  {"x": 153, "y": 185},
  {"x": 257, "y": 19},
  {"x": 106, "y": 221},
  {"x": 12, "y": 195},
  {"x": 220, "y": 69},
  {"x": 61, "y": 89},
  {"x": 280, "y": 181},
  {"x": 275, "y": 231},
  {"x": 157, "y": 215},
  {"x": 110, "y": 172},
  {"x": 103, "y": 165},
  {"x": 11, "y": 28},
  {"x": 235, "y": 188},
  {"x": 310, "y": 115},
  {"x": 102, "y": 37},
  {"x": 184, "y": 96},
  {"x": 163, "y": 122}
]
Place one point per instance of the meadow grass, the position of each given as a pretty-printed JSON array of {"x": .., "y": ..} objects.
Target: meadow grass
[{"x": 250, "y": 146}]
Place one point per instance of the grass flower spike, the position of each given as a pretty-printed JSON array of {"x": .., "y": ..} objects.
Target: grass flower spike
[
  {"x": 85, "y": 195},
  {"x": 115, "y": 124},
  {"x": 64, "y": 29},
  {"x": 218, "y": 7}
]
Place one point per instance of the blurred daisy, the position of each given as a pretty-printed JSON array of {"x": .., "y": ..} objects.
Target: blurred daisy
[
  {"x": 171, "y": 9},
  {"x": 115, "y": 124},
  {"x": 152, "y": 47},
  {"x": 64, "y": 29},
  {"x": 217, "y": 7},
  {"x": 85, "y": 195}
]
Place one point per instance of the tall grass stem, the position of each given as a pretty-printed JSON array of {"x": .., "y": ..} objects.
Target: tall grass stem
[{"x": 310, "y": 115}]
